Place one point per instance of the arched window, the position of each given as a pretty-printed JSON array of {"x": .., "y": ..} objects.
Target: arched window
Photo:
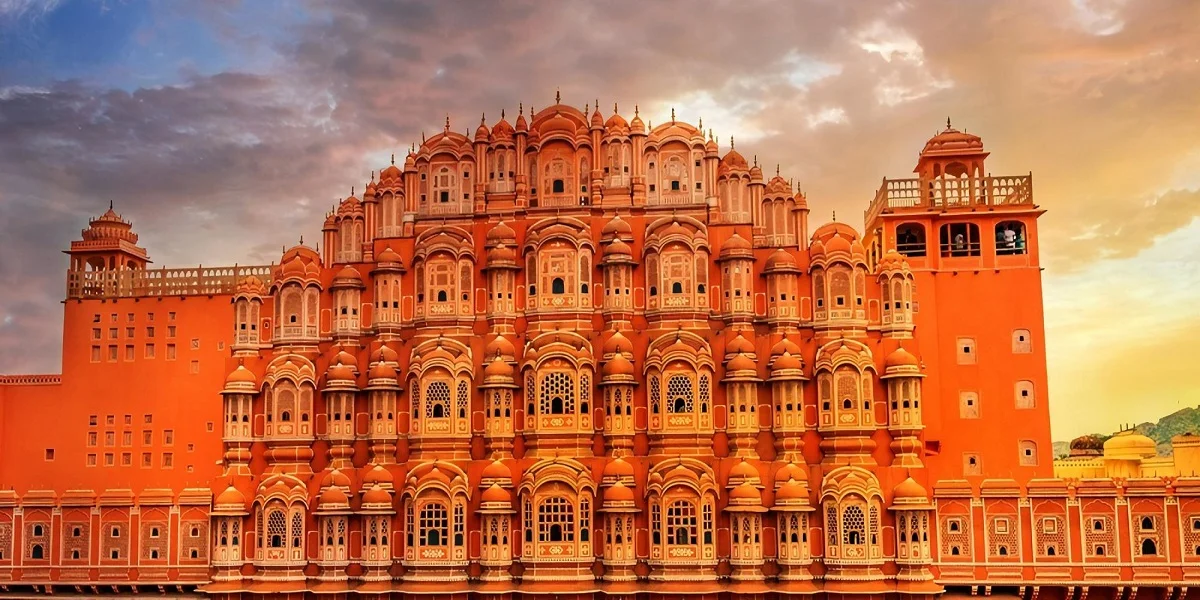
[
  {"x": 556, "y": 520},
  {"x": 434, "y": 524},
  {"x": 36, "y": 552},
  {"x": 558, "y": 286},
  {"x": 910, "y": 239},
  {"x": 1149, "y": 548},
  {"x": 1147, "y": 524},
  {"x": 1010, "y": 238},
  {"x": 960, "y": 239}
]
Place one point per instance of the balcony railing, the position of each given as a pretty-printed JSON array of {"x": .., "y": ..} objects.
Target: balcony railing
[
  {"x": 132, "y": 283},
  {"x": 951, "y": 192}
]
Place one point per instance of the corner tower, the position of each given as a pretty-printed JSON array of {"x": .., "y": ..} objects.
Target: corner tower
[
  {"x": 970, "y": 239},
  {"x": 102, "y": 260}
]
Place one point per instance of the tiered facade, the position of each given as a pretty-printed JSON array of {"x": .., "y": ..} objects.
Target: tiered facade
[{"x": 579, "y": 356}]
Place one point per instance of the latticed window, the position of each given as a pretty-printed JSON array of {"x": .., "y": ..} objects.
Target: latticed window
[
  {"x": 704, "y": 393},
  {"x": 434, "y": 524},
  {"x": 557, "y": 394},
  {"x": 460, "y": 521},
  {"x": 463, "y": 399},
  {"x": 297, "y": 528},
  {"x": 437, "y": 400},
  {"x": 1050, "y": 537},
  {"x": 276, "y": 529},
  {"x": 654, "y": 394},
  {"x": 853, "y": 526},
  {"x": 681, "y": 523},
  {"x": 556, "y": 520},
  {"x": 679, "y": 394}
]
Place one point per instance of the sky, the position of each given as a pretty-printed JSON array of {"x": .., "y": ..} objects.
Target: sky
[{"x": 225, "y": 129}]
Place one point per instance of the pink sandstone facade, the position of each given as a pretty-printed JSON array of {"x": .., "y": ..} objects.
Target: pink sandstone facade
[{"x": 578, "y": 357}]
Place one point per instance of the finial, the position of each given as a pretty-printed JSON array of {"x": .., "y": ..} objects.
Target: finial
[
  {"x": 731, "y": 146},
  {"x": 777, "y": 169},
  {"x": 373, "y": 171},
  {"x": 393, "y": 158},
  {"x": 502, "y": 114},
  {"x": 710, "y": 134},
  {"x": 597, "y": 105},
  {"x": 756, "y": 160},
  {"x": 557, "y": 96},
  {"x": 635, "y": 110},
  {"x": 412, "y": 149},
  {"x": 947, "y": 122},
  {"x": 483, "y": 118},
  {"x": 520, "y": 108},
  {"x": 672, "y": 114},
  {"x": 110, "y": 205},
  {"x": 447, "y": 122},
  {"x": 302, "y": 239},
  {"x": 586, "y": 106},
  {"x": 614, "y": 108},
  {"x": 351, "y": 190},
  {"x": 701, "y": 125},
  {"x": 422, "y": 138},
  {"x": 835, "y": 216}
]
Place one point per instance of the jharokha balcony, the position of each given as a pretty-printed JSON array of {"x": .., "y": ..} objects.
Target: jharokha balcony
[
  {"x": 130, "y": 283},
  {"x": 951, "y": 192}
]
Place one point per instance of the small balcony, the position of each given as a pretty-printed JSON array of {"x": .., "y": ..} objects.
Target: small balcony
[{"x": 950, "y": 192}]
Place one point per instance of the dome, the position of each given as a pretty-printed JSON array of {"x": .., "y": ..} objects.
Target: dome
[
  {"x": 501, "y": 233},
  {"x": 778, "y": 186},
  {"x": 734, "y": 160},
  {"x": 791, "y": 471},
  {"x": 618, "y": 467},
  {"x": 618, "y": 492},
  {"x": 756, "y": 173},
  {"x": 348, "y": 274},
  {"x": 617, "y": 343},
  {"x": 481, "y": 132},
  {"x": 597, "y": 120},
  {"x": 335, "y": 478},
  {"x": 390, "y": 172},
  {"x": 382, "y": 370},
  {"x": 502, "y": 130},
  {"x": 1128, "y": 445},
  {"x": 333, "y": 498},
  {"x": 389, "y": 256},
  {"x": 787, "y": 361},
  {"x": 952, "y": 141},
  {"x": 838, "y": 244},
  {"x": 791, "y": 490},
  {"x": 780, "y": 260},
  {"x": 496, "y": 470},
  {"x": 557, "y": 124},
  {"x": 501, "y": 255},
  {"x": 618, "y": 366},
  {"x": 344, "y": 358},
  {"x": 385, "y": 354},
  {"x": 339, "y": 373},
  {"x": 785, "y": 345},
  {"x": 901, "y": 358},
  {"x": 743, "y": 471},
  {"x": 909, "y": 489},
  {"x": 828, "y": 230},
  {"x": 251, "y": 286},
  {"x": 501, "y": 346},
  {"x": 231, "y": 497},
  {"x": 377, "y": 496},
  {"x": 616, "y": 121},
  {"x": 617, "y": 248},
  {"x": 498, "y": 368},
  {"x": 739, "y": 345},
  {"x": 618, "y": 227},
  {"x": 636, "y": 125},
  {"x": 1087, "y": 445},
  {"x": 241, "y": 375},
  {"x": 736, "y": 246},
  {"x": 496, "y": 495},
  {"x": 377, "y": 475},
  {"x": 745, "y": 492},
  {"x": 741, "y": 363}
]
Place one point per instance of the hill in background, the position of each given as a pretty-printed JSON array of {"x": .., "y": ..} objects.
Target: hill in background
[{"x": 1186, "y": 420}]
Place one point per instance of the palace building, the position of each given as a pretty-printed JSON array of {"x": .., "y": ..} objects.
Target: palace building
[{"x": 576, "y": 356}]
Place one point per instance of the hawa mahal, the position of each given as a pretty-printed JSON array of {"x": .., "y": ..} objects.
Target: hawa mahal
[{"x": 576, "y": 356}]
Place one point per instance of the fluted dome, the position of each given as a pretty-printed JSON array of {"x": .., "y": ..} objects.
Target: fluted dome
[
  {"x": 377, "y": 475},
  {"x": 617, "y": 227},
  {"x": 909, "y": 489},
  {"x": 791, "y": 490},
  {"x": 333, "y": 498},
  {"x": 498, "y": 367},
  {"x": 501, "y": 233},
  {"x": 617, "y": 343},
  {"x": 791, "y": 471},
  {"x": 741, "y": 363},
  {"x": 786, "y": 362},
  {"x": 501, "y": 346},
  {"x": 241, "y": 380},
  {"x": 230, "y": 498},
  {"x": 618, "y": 493},
  {"x": 743, "y": 471},
  {"x": 496, "y": 495},
  {"x": 780, "y": 260},
  {"x": 739, "y": 345},
  {"x": 745, "y": 494},
  {"x": 1129, "y": 445},
  {"x": 901, "y": 358},
  {"x": 952, "y": 141},
  {"x": 496, "y": 470},
  {"x": 335, "y": 478},
  {"x": 618, "y": 366},
  {"x": 376, "y": 496},
  {"x": 618, "y": 467}
]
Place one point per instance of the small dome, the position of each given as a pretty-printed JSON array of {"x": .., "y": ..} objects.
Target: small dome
[
  {"x": 837, "y": 243},
  {"x": 745, "y": 492},
  {"x": 739, "y": 345},
  {"x": 617, "y": 248},
  {"x": 339, "y": 373},
  {"x": 389, "y": 256},
  {"x": 909, "y": 489},
  {"x": 756, "y": 173},
  {"x": 780, "y": 259},
  {"x": 785, "y": 345},
  {"x": 502, "y": 130},
  {"x": 618, "y": 492},
  {"x": 1129, "y": 445},
  {"x": 778, "y": 186},
  {"x": 901, "y": 358},
  {"x": 498, "y": 368},
  {"x": 231, "y": 497},
  {"x": 791, "y": 471},
  {"x": 501, "y": 232},
  {"x": 617, "y": 343},
  {"x": 597, "y": 120},
  {"x": 336, "y": 478},
  {"x": 496, "y": 470},
  {"x": 241, "y": 375},
  {"x": 791, "y": 490},
  {"x": 496, "y": 495},
  {"x": 741, "y": 363},
  {"x": 501, "y": 255},
  {"x": 743, "y": 471},
  {"x": 382, "y": 370},
  {"x": 500, "y": 345},
  {"x": 251, "y": 286},
  {"x": 734, "y": 160},
  {"x": 333, "y": 498},
  {"x": 952, "y": 141},
  {"x": 377, "y": 496},
  {"x": 617, "y": 366},
  {"x": 735, "y": 243},
  {"x": 378, "y": 475},
  {"x": 618, "y": 467},
  {"x": 787, "y": 361},
  {"x": 481, "y": 132},
  {"x": 636, "y": 125},
  {"x": 618, "y": 227},
  {"x": 386, "y": 354},
  {"x": 616, "y": 121}
]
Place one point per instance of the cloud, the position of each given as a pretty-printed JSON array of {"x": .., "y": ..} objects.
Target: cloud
[{"x": 1097, "y": 97}]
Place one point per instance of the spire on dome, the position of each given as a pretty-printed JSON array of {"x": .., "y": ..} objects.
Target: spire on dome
[
  {"x": 557, "y": 96},
  {"x": 947, "y": 122},
  {"x": 521, "y": 108},
  {"x": 614, "y": 108},
  {"x": 731, "y": 146},
  {"x": 447, "y": 122},
  {"x": 672, "y": 114},
  {"x": 502, "y": 114}
]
